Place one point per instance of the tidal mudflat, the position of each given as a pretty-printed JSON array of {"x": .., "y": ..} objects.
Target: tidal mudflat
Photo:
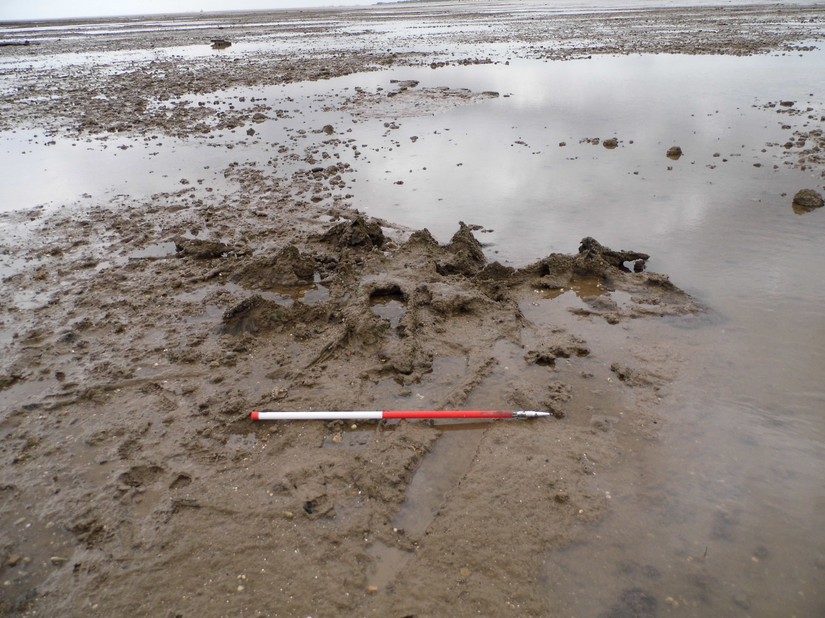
[{"x": 425, "y": 205}]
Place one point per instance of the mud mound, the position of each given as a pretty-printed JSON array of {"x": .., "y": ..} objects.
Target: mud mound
[
  {"x": 593, "y": 260},
  {"x": 405, "y": 100},
  {"x": 201, "y": 249},
  {"x": 464, "y": 254},
  {"x": 495, "y": 271},
  {"x": 357, "y": 233},
  {"x": 288, "y": 268},
  {"x": 422, "y": 237},
  {"x": 252, "y": 315},
  {"x": 652, "y": 294},
  {"x": 592, "y": 251}
]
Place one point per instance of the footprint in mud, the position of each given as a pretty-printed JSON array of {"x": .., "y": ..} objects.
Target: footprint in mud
[
  {"x": 318, "y": 504},
  {"x": 633, "y": 603},
  {"x": 136, "y": 486},
  {"x": 140, "y": 476},
  {"x": 389, "y": 303},
  {"x": 181, "y": 480}
]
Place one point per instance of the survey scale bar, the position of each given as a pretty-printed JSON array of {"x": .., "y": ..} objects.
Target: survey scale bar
[{"x": 352, "y": 415}]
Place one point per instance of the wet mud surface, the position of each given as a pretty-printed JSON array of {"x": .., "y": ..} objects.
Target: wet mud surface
[{"x": 138, "y": 333}]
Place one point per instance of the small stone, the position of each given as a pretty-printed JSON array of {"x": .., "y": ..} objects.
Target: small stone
[
  {"x": 808, "y": 199},
  {"x": 562, "y": 497},
  {"x": 13, "y": 560},
  {"x": 240, "y": 588},
  {"x": 464, "y": 572},
  {"x": 58, "y": 560},
  {"x": 610, "y": 143},
  {"x": 289, "y": 515},
  {"x": 372, "y": 589},
  {"x": 674, "y": 152}
]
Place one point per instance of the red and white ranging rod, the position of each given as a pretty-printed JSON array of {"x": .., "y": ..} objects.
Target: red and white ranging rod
[{"x": 360, "y": 415}]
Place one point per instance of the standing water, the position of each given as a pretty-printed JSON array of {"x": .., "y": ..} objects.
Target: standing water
[{"x": 722, "y": 514}]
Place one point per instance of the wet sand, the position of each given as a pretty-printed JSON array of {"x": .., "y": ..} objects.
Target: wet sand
[{"x": 139, "y": 332}]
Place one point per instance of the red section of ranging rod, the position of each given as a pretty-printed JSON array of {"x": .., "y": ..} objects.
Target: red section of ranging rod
[{"x": 447, "y": 414}]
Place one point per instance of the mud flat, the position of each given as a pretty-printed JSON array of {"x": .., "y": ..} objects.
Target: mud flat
[{"x": 140, "y": 328}]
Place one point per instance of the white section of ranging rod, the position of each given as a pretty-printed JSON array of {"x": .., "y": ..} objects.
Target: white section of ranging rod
[{"x": 320, "y": 415}]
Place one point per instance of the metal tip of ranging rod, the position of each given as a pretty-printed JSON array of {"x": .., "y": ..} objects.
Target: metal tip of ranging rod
[{"x": 529, "y": 414}]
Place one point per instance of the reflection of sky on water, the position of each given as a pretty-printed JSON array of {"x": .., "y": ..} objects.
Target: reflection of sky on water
[{"x": 655, "y": 101}]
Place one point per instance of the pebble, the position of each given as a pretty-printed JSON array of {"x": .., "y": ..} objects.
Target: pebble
[
  {"x": 372, "y": 589},
  {"x": 674, "y": 152},
  {"x": 808, "y": 198}
]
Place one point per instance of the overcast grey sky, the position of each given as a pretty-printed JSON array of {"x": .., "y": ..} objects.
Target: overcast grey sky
[{"x": 52, "y": 9}]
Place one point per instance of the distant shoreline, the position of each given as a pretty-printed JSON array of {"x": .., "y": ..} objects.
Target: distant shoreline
[{"x": 561, "y": 7}]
